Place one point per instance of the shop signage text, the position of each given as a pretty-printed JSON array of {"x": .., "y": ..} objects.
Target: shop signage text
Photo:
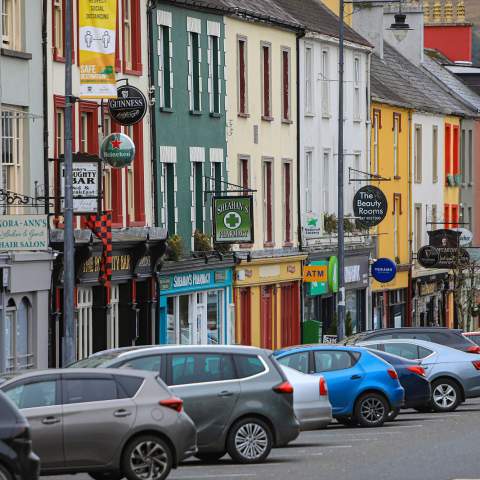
[
  {"x": 428, "y": 288},
  {"x": 370, "y": 206},
  {"x": 130, "y": 106},
  {"x": 312, "y": 226},
  {"x": 447, "y": 243},
  {"x": 191, "y": 279},
  {"x": 23, "y": 232},
  {"x": 384, "y": 270},
  {"x": 315, "y": 273},
  {"x": 319, "y": 287},
  {"x": 85, "y": 184},
  {"x": 233, "y": 219},
  {"x": 118, "y": 150},
  {"x": 119, "y": 262}
]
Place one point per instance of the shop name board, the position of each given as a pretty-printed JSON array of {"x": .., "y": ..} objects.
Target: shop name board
[
  {"x": 428, "y": 288},
  {"x": 233, "y": 219},
  {"x": 443, "y": 251},
  {"x": 119, "y": 262},
  {"x": 23, "y": 232},
  {"x": 370, "y": 206},
  {"x": 191, "y": 280},
  {"x": 315, "y": 273},
  {"x": 85, "y": 177}
]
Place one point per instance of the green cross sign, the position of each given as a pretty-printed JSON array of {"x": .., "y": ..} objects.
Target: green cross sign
[{"x": 233, "y": 219}]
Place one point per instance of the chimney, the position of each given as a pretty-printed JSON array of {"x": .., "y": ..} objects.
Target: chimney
[
  {"x": 367, "y": 20},
  {"x": 408, "y": 42}
]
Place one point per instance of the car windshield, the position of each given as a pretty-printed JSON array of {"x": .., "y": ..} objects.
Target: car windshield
[{"x": 94, "y": 362}]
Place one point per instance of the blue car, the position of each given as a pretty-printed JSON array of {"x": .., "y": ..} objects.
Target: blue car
[{"x": 363, "y": 388}]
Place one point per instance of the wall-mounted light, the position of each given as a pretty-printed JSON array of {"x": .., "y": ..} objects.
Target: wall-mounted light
[{"x": 400, "y": 28}]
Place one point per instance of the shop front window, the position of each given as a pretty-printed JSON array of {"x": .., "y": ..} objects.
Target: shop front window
[
  {"x": 184, "y": 320},
  {"x": 214, "y": 316},
  {"x": 351, "y": 318},
  {"x": 18, "y": 338}
]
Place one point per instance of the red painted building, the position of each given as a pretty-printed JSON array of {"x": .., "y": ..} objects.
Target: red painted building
[{"x": 452, "y": 40}]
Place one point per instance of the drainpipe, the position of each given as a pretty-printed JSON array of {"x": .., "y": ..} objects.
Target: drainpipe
[
  {"x": 46, "y": 180},
  {"x": 409, "y": 319}
]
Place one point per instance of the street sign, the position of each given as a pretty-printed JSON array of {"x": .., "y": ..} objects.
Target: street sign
[
  {"x": 233, "y": 219},
  {"x": 130, "y": 106},
  {"x": 428, "y": 256},
  {"x": 118, "y": 150},
  {"x": 384, "y": 270},
  {"x": 466, "y": 236},
  {"x": 315, "y": 273},
  {"x": 369, "y": 206}
]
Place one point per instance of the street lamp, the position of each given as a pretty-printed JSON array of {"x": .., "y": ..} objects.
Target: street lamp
[{"x": 400, "y": 28}]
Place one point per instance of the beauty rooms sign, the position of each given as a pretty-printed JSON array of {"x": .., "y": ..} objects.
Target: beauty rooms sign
[{"x": 369, "y": 206}]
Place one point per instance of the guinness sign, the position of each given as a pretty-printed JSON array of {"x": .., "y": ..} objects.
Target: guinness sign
[
  {"x": 130, "y": 106},
  {"x": 428, "y": 256}
]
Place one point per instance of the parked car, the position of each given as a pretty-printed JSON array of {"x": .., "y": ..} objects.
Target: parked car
[
  {"x": 310, "y": 399},
  {"x": 454, "y": 375},
  {"x": 17, "y": 460},
  {"x": 473, "y": 337},
  {"x": 107, "y": 423},
  {"x": 444, "y": 336},
  {"x": 413, "y": 379},
  {"x": 238, "y": 397},
  {"x": 363, "y": 388}
]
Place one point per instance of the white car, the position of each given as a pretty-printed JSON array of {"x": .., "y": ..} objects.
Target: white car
[{"x": 310, "y": 399}]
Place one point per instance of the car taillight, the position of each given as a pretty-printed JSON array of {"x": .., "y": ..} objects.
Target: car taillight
[
  {"x": 473, "y": 349},
  {"x": 392, "y": 373},
  {"x": 323, "y": 387},
  {"x": 417, "y": 370},
  {"x": 476, "y": 364},
  {"x": 285, "y": 387},
  {"x": 174, "y": 403}
]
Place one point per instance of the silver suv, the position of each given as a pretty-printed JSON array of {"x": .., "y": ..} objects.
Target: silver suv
[
  {"x": 109, "y": 423},
  {"x": 238, "y": 397}
]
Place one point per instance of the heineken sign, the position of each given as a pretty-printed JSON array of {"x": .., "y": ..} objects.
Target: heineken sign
[
  {"x": 130, "y": 106},
  {"x": 118, "y": 150},
  {"x": 369, "y": 206},
  {"x": 233, "y": 219}
]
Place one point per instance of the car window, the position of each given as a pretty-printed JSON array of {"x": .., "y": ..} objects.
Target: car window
[
  {"x": 297, "y": 361},
  {"x": 381, "y": 336},
  {"x": 81, "y": 390},
  {"x": 405, "y": 350},
  {"x": 129, "y": 386},
  {"x": 474, "y": 338},
  {"x": 424, "y": 352},
  {"x": 248, "y": 365},
  {"x": 330, "y": 360},
  {"x": 201, "y": 368},
  {"x": 35, "y": 394},
  {"x": 149, "y": 364}
]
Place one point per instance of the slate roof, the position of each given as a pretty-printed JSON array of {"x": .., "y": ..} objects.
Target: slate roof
[
  {"x": 397, "y": 81},
  {"x": 316, "y": 17},
  {"x": 434, "y": 66}
]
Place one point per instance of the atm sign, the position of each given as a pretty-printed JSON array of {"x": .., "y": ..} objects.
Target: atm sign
[{"x": 315, "y": 273}]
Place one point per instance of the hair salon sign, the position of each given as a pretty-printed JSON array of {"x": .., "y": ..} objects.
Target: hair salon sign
[{"x": 23, "y": 232}]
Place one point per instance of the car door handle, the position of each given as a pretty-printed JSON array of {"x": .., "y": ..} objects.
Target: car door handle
[
  {"x": 121, "y": 413},
  {"x": 50, "y": 420},
  {"x": 355, "y": 377},
  {"x": 225, "y": 393}
]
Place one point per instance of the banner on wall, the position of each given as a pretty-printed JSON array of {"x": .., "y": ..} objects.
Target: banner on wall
[{"x": 97, "y": 23}]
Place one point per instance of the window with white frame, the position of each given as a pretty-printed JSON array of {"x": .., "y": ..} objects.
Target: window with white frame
[
  {"x": 12, "y": 24},
  {"x": 268, "y": 202},
  {"x": 308, "y": 79},
  {"x": 287, "y": 202},
  {"x": 285, "y": 84},
  {"x": 242, "y": 90},
  {"x": 376, "y": 126},
  {"x": 418, "y": 227},
  {"x": 169, "y": 197},
  {"x": 165, "y": 52},
  {"x": 356, "y": 88},
  {"x": 17, "y": 338},
  {"x": 84, "y": 132},
  {"x": 194, "y": 64},
  {"x": 266, "y": 55},
  {"x": 434, "y": 154},
  {"x": 308, "y": 180},
  {"x": 214, "y": 64},
  {"x": 417, "y": 153},
  {"x": 127, "y": 33},
  {"x": 113, "y": 318},
  {"x": 12, "y": 150},
  {"x": 84, "y": 322},
  {"x": 326, "y": 181},
  {"x": 325, "y": 84}
]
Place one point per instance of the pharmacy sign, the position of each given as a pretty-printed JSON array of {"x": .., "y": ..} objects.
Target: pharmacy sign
[{"x": 233, "y": 219}]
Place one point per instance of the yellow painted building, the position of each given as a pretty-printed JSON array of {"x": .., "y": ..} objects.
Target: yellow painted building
[
  {"x": 390, "y": 159},
  {"x": 334, "y": 6},
  {"x": 262, "y": 157}
]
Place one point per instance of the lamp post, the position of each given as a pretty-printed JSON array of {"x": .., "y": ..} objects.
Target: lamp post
[{"x": 402, "y": 27}]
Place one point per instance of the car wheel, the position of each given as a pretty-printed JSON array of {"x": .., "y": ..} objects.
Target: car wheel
[
  {"x": 392, "y": 415},
  {"x": 249, "y": 441},
  {"x": 5, "y": 474},
  {"x": 106, "y": 475},
  {"x": 445, "y": 395},
  {"x": 147, "y": 456},
  {"x": 210, "y": 456},
  {"x": 371, "y": 410},
  {"x": 347, "y": 421}
]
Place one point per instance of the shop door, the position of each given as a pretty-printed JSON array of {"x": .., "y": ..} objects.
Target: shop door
[
  {"x": 266, "y": 306},
  {"x": 84, "y": 322},
  {"x": 113, "y": 318},
  {"x": 245, "y": 317},
  {"x": 290, "y": 315},
  {"x": 200, "y": 318}
]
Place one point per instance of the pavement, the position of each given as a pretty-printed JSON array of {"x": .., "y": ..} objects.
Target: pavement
[{"x": 417, "y": 446}]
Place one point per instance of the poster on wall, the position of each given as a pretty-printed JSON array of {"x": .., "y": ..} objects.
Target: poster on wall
[
  {"x": 97, "y": 29},
  {"x": 233, "y": 219}
]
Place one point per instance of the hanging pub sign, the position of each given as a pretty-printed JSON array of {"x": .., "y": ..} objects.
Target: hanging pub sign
[
  {"x": 98, "y": 23},
  {"x": 130, "y": 106},
  {"x": 428, "y": 256},
  {"x": 86, "y": 177},
  {"x": 233, "y": 219},
  {"x": 369, "y": 206},
  {"x": 447, "y": 244},
  {"x": 384, "y": 270},
  {"x": 118, "y": 150}
]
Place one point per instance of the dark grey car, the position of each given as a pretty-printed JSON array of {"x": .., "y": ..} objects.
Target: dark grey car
[
  {"x": 108, "y": 423},
  {"x": 238, "y": 397}
]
